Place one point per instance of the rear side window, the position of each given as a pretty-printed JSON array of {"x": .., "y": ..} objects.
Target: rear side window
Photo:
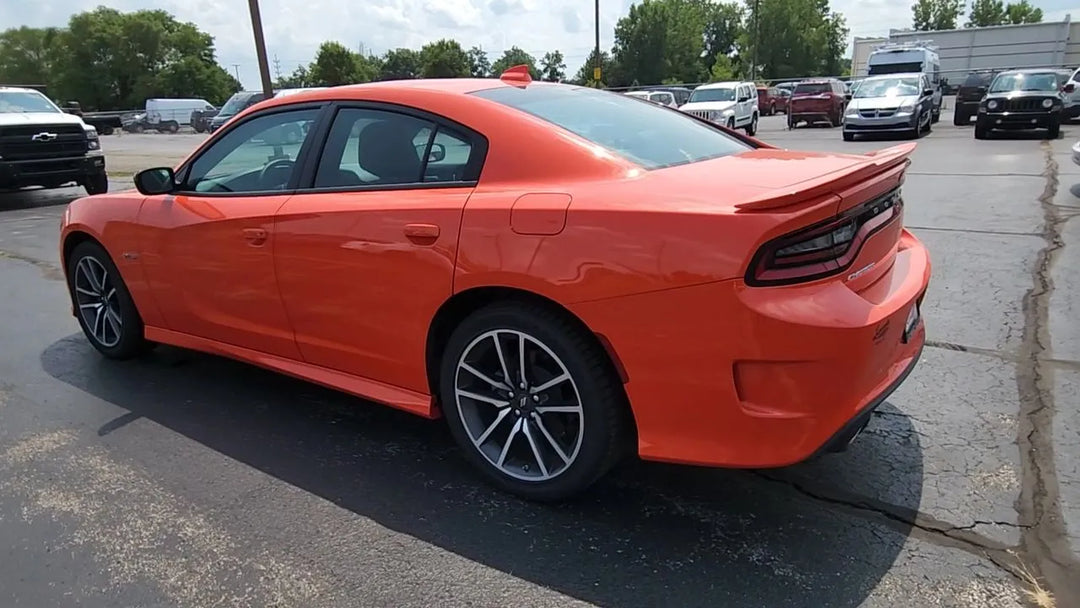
[{"x": 646, "y": 134}]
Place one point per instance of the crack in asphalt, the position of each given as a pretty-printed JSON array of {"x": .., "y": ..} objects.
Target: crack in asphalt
[
  {"x": 974, "y": 231},
  {"x": 48, "y": 270},
  {"x": 1043, "y": 543}
]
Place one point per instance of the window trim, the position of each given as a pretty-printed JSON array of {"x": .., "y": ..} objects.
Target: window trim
[
  {"x": 477, "y": 155},
  {"x": 301, "y": 157}
]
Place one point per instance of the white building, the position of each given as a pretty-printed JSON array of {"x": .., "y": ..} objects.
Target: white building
[{"x": 1033, "y": 45}]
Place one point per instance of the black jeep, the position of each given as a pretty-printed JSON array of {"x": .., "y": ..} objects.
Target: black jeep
[{"x": 1021, "y": 100}]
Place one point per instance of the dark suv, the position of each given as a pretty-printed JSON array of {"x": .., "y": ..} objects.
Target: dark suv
[
  {"x": 1020, "y": 100},
  {"x": 970, "y": 94}
]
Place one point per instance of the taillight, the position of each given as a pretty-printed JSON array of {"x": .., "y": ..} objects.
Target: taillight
[{"x": 823, "y": 249}]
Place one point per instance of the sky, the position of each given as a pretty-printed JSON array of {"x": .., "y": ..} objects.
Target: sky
[{"x": 295, "y": 28}]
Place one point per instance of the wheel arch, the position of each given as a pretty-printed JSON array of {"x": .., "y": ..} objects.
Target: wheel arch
[
  {"x": 72, "y": 240},
  {"x": 459, "y": 306}
]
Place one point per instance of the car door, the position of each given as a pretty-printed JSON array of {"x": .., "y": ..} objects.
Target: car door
[
  {"x": 207, "y": 249},
  {"x": 926, "y": 102},
  {"x": 742, "y": 105},
  {"x": 365, "y": 256}
]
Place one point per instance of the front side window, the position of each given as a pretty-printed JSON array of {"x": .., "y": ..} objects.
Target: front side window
[
  {"x": 25, "y": 101},
  {"x": 257, "y": 156},
  {"x": 649, "y": 136},
  {"x": 723, "y": 94}
]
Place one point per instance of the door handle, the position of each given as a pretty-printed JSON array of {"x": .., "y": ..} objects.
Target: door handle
[
  {"x": 255, "y": 236},
  {"x": 422, "y": 233}
]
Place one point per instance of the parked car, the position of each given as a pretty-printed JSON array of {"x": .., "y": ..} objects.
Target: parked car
[
  {"x": 240, "y": 101},
  {"x": 771, "y": 100},
  {"x": 681, "y": 94},
  {"x": 41, "y": 145},
  {"x": 732, "y": 104},
  {"x": 969, "y": 95},
  {"x": 1072, "y": 100},
  {"x": 168, "y": 115},
  {"x": 892, "y": 103},
  {"x": 473, "y": 250},
  {"x": 817, "y": 100},
  {"x": 662, "y": 98},
  {"x": 1023, "y": 100}
]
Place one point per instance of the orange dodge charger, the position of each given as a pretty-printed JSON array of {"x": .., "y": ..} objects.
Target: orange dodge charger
[{"x": 567, "y": 275}]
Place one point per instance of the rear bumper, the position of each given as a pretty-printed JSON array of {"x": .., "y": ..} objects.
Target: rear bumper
[
  {"x": 43, "y": 172},
  {"x": 727, "y": 375}
]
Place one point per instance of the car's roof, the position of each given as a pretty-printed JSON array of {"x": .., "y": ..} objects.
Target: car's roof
[
  {"x": 17, "y": 90},
  {"x": 896, "y": 75},
  {"x": 722, "y": 85}
]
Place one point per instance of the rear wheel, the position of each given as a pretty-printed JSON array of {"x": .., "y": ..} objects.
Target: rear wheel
[
  {"x": 103, "y": 305},
  {"x": 171, "y": 126},
  {"x": 731, "y": 124},
  {"x": 532, "y": 401}
]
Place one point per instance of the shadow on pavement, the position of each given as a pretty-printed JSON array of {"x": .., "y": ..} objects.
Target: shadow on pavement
[
  {"x": 648, "y": 535},
  {"x": 29, "y": 198}
]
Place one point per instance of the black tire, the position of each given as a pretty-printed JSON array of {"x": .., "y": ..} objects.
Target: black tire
[
  {"x": 772, "y": 109},
  {"x": 849, "y": 136},
  {"x": 107, "y": 130},
  {"x": 130, "y": 340},
  {"x": 602, "y": 439},
  {"x": 171, "y": 127},
  {"x": 751, "y": 129},
  {"x": 731, "y": 124},
  {"x": 981, "y": 132},
  {"x": 961, "y": 118},
  {"x": 935, "y": 115},
  {"x": 1054, "y": 130},
  {"x": 97, "y": 183}
]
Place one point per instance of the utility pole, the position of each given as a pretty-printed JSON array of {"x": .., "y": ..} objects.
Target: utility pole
[
  {"x": 753, "y": 65},
  {"x": 236, "y": 70},
  {"x": 260, "y": 48},
  {"x": 598, "y": 70}
]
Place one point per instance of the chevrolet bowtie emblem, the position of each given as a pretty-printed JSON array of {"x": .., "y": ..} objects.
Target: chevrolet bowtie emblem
[{"x": 44, "y": 136}]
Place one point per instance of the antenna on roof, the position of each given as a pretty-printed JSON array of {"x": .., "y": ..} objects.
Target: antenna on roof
[{"x": 516, "y": 76}]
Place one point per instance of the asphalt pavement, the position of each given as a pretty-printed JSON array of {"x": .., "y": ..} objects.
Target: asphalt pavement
[{"x": 184, "y": 479}]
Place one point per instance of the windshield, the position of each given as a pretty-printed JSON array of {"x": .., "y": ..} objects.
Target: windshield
[
  {"x": 238, "y": 102},
  {"x": 29, "y": 101},
  {"x": 978, "y": 79},
  {"x": 887, "y": 87},
  {"x": 1042, "y": 81},
  {"x": 649, "y": 135},
  {"x": 712, "y": 95}
]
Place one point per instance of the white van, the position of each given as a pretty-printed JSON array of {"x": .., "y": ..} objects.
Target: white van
[
  {"x": 171, "y": 114},
  {"x": 908, "y": 57}
]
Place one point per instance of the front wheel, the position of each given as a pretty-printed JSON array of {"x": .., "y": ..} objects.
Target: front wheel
[
  {"x": 97, "y": 183},
  {"x": 533, "y": 401},
  {"x": 981, "y": 132},
  {"x": 103, "y": 305},
  {"x": 849, "y": 136},
  {"x": 751, "y": 129},
  {"x": 1054, "y": 130}
]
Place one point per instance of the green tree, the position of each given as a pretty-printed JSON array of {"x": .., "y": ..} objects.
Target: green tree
[
  {"x": 27, "y": 55},
  {"x": 298, "y": 79},
  {"x": 400, "y": 64},
  {"x": 723, "y": 24},
  {"x": 722, "y": 69},
  {"x": 512, "y": 57},
  {"x": 553, "y": 67},
  {"x": 584, "y": 75},
  {"x": 444, "y": 59},
  {"x": 336, "y": 65},
  {"x": 985, "y": 13},
  {"x": 795, "y": 38},
  {"x": 1022, "y": 12},
  {"x": 933, "y": 15},
  {"x": 660, "y": 39},
  {"x": 479, "y": 65}
]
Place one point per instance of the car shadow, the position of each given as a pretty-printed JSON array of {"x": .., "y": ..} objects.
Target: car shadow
[
  {"x": 647, "y": 535},
  {"x": 31, "y": 198}
]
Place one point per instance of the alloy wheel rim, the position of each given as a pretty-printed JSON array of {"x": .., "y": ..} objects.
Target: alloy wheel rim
[
  {"x": 97, "y": 300},
  {"x": 520, "y": 406}
]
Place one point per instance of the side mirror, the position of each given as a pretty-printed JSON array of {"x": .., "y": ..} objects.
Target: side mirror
[
  {"x": 1069, "y": 88},
  {"x": 160, "y": 180},
  {"x": 847, "y": 96},
  {"x": 928, "y": 92}
]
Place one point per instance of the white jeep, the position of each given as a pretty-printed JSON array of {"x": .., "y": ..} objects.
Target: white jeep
[{"x": 732, "y": 104}]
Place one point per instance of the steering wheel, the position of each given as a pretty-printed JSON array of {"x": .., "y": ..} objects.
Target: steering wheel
[{"x": 281, "y": 163}]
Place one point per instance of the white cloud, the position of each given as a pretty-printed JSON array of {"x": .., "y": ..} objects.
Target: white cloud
[{"x": 295, "y": 28}]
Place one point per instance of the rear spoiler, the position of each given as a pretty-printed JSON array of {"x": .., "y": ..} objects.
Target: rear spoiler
[{"x": 876, "y": 162}]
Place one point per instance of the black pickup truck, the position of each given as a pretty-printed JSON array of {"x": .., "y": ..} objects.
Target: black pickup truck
[{"x": 40, "y": 145}]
